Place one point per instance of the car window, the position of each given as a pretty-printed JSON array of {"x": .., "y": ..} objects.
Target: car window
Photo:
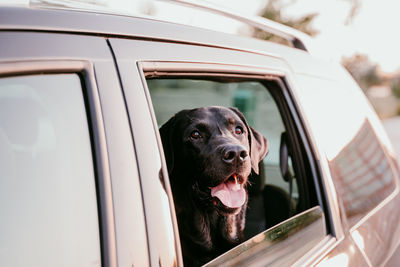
[
  {"x": 172, "y": 95},
  {"x": 274, "y": 195},
  {"x": 362, "y": 174},
  {"x": 47, "y": 183}
]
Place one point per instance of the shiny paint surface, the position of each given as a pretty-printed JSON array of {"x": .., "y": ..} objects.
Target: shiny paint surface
[
  {"x": 320, "y": 99},
  {"x": 303, "y": 231},
  {"x": 345, "y": 253}
]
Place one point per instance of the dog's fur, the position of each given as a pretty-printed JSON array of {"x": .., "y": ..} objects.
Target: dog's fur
[{"x": 204, "y": 148}]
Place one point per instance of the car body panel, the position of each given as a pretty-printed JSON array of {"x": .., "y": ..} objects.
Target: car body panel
[
  {"x": 162, "y": 237},
  {"x": 305, "y": 231},
  {"x": 346, "y": 124},
  {"x": 90, "y": 57},
  {"x": 345, "y": 253}
]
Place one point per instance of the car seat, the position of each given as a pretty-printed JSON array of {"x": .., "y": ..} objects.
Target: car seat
[
  {"x": 255, "y": 216},
  {"x": 269, "y": 204},
  {"x": 278, "y": 203}
]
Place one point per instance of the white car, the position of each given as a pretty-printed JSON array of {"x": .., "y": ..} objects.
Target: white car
[{"x": 82, "y": 95}]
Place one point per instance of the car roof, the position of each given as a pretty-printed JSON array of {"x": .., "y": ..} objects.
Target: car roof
[{"x": 24, "y": 18}]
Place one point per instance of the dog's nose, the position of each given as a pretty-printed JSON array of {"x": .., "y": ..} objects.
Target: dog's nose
[{"x": 235, "y": 154}]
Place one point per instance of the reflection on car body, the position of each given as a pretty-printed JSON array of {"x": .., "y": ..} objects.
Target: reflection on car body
[{"x": 362, "y": 174}]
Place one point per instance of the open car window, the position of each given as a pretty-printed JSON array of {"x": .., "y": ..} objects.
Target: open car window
[{"x": 281, "y": 197}]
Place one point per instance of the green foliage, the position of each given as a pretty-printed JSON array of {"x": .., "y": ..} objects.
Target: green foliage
[
  {"x": 365, "y": 72},
  {"x": 274, "y": 11},
  {"x": 395, "y": 85}
]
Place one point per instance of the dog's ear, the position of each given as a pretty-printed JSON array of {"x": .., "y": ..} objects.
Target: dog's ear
[
  {"x": 167, "y": 138},
  {"x": 258, "y": 143},
  {"x": 258, "y": 148}
]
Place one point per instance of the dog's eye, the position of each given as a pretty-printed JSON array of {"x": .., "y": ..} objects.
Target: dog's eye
[
  {"x": 238, "y": 130},
  {"x": 195, "y": 135}
]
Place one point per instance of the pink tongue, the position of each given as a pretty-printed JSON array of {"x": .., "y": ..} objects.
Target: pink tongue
[{"x": 230, "y": 193}]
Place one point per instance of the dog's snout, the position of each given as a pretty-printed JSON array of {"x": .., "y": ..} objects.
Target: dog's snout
[{"x": 234, "y": 154}]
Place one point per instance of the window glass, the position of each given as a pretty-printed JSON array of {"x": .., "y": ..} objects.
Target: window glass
[
  {"x": 47, "y": 184},
  {"x": 254, "y": 100},
  {"x": 362, "y": 174},
  {"x": 171, "y": 95}
]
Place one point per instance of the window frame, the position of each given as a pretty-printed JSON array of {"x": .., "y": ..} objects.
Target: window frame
[
  {"x": 85, "y": 72},
  {"x": 287, "y": 106},
  {"x": 288, "y": 231}
]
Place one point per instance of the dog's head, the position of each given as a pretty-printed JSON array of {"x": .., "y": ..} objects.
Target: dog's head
[{"x": 210, "y": 152}]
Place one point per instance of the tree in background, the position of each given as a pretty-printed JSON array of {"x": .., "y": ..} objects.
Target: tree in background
[
  {"x": 382, "y": 89},
  {"x": 395, "y": 85},
  {"x": 365, "y": 72},
  {"x": 355, "y": 7},
  {"x": 274, "y": 11}
]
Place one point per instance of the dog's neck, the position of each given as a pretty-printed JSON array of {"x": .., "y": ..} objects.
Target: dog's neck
[
  {"x": 209, "y": 233},
  {"x": 229, "y": 227},
  {"x": 205, "y": 233},
  {"x": 221, "y": 230}
]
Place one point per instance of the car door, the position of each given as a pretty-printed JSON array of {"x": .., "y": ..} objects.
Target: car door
[
  {"x": 69, "y": 181},
  {"x": 361, "y": 161},
  {"x": 167, "y": 77}
]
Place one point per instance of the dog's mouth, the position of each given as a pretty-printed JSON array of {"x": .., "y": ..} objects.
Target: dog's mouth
[{"x": 231, "y": 192}]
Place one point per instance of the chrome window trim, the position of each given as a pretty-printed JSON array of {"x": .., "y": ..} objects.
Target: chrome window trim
[
  {"x": 171, "y": 68},
  {"x": 85, "y": 70}
]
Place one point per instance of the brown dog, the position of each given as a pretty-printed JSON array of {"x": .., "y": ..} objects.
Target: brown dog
[{"x": 210, "y": 153}]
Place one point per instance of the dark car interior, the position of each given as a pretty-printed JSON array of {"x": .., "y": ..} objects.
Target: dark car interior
[{"x": 281, "y": 189}]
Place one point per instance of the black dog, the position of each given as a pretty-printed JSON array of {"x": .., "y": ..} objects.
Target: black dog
[{"x": 210, "y": 153}]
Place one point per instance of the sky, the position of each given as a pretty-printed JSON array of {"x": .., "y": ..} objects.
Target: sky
[{"x": 373, "y": 31}]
